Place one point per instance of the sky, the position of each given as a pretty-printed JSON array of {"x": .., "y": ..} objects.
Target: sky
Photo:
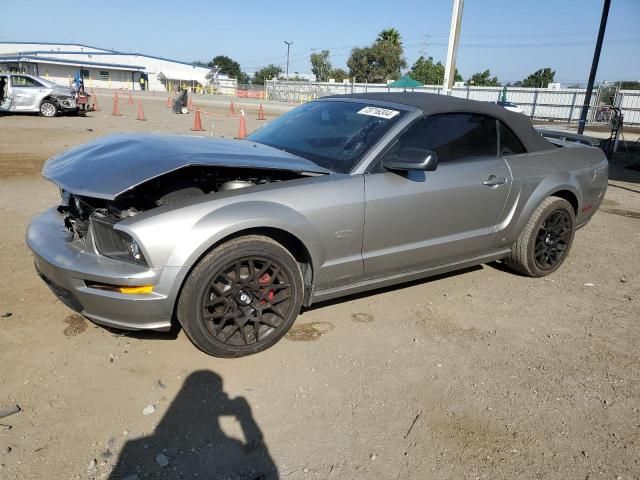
[{"x": 512, "y": 38}]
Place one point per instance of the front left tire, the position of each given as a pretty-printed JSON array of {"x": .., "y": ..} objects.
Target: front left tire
[
  {"x": 48, "y": 108},
  {"x": 242, "y": 297}
]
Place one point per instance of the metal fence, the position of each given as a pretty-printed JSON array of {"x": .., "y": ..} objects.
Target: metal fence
[{"x": 538, "y": 103}]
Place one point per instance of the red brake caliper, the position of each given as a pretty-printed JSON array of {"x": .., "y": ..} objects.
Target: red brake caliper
[{"x": 264, "y": 280}]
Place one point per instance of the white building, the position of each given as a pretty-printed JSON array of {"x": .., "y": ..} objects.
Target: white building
[{"x": 103, "y": 68}]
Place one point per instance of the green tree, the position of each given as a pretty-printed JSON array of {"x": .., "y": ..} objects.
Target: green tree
[
  {"x": 540, "y": 78},
  {"x": 266, "y": 73},
  {"x": 629, "y": 85},
  {"x": 390, "y": 35},
  {"x": 339, "y": 74},
  {"x": 227, "y": 66},
  {"x": 483, "y": 79},
  {"x": 243, "y": 78},
  {"x": 429, "y": 73},
  {"x": 388, "y": 61},
  {"x": 379, "y": 62},
  {"x": 320, "y": 65},
  {"x": 360, "y": 64}
]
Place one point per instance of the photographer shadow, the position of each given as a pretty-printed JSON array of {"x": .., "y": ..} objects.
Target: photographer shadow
[{"x": 190, "y": 437}]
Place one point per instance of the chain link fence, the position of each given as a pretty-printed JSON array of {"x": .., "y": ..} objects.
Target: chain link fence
[{"x": 562, "y": 105}]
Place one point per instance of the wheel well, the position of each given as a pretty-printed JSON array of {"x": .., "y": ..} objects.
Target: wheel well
[
  {"x": 569, "y": 197},
  {"x": 284, "y": 238}
]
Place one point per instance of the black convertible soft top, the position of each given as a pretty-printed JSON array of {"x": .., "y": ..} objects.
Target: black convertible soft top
[{"x": 431, "y": 103}]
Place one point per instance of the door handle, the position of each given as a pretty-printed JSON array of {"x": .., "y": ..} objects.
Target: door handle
[{"x": 493, "y": 181}]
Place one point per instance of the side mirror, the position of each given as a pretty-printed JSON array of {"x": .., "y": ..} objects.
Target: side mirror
[{"x": 412, "y": 158}]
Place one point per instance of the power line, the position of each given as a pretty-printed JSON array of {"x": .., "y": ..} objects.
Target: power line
[{"x": 342, "y": 51}]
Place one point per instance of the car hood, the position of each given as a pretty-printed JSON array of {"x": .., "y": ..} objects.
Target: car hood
[
  {"x": 109, "y": 166},
  {"x": 58, "y": 90}
]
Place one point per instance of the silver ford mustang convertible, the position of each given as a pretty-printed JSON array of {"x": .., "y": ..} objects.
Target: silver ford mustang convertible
[{"x": 230, "y": 238}]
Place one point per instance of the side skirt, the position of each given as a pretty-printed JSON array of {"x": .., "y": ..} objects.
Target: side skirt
[{"x": 370, "y": 284}]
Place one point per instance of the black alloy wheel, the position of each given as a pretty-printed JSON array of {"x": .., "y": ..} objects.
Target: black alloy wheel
[
  {"x": 242, "y": 297},
  {"x": 246, "y": 301},
  {"x": 544, "y": 242},
  {"x": 553, "y": 239}
]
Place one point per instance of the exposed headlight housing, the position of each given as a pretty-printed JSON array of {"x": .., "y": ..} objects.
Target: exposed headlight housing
[
  {"x": 66, "y": 102},
  {"x": 116, "y": 244}
]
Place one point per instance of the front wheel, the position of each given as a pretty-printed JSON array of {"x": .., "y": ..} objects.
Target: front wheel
[
  {"x": 242, "y": 297},
  {"x": 48, "y": 108},
  {"x": 545, "y": 241}
]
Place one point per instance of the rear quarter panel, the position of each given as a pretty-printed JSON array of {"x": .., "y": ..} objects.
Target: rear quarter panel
[{"x": 583, "y": 171}]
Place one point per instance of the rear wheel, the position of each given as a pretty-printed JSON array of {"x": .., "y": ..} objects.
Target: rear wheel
[
  {"x": 545, "y": 241},
  {"x": 48, "y": 108},
  {"x": 241, "y": 298}
]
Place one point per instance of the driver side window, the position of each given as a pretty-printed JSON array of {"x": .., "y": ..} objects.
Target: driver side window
[
  {"x": 20, "y": 81},
  {"x": 415, "y": 136},
  {"x": 452, "y": 136}
]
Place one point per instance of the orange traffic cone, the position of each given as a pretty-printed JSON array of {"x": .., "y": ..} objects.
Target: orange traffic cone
[
  {"x": 95, "y": 107},
  {"x": 261, "y": 113},
  {"x": 197, "y": 122},
  {"x": 116, "y": 110},
  {"x": 130, "y": 99},
  {"x": 232, "y": 110},
  {"x": 169, "y": 101},
  {"x": 242, "y": 130},
  {"x": 116, "y": 94},
  {"x": 140, "y": 112},
  {"x": 190, "y": 104}
]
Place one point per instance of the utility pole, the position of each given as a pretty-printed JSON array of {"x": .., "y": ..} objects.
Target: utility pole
[
  {"x": 452, "y": 49},
  {"x": 288, "y": 47},
  {"x": 594, "y": 67}
]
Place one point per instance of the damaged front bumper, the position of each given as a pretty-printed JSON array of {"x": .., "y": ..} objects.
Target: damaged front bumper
[
  {"x": 65, "y": 103},
  {"x": 73, "y": 270}
]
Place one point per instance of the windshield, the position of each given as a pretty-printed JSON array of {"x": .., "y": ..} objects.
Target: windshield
[{"x": 332, "y": 134}]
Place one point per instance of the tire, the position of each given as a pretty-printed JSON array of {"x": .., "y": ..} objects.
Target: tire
[
  {"x": 545, "y": 242},
  {"x": 184, "y": 110},
  {"x": 229, "y": 315},
  {"x": 48, "y": 108}
]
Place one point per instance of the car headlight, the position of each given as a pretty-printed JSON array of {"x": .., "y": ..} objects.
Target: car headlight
[{"x": 114, "y": 243}]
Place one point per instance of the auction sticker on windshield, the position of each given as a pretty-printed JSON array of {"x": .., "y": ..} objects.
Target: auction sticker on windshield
[{"x": 379, "y": 112}]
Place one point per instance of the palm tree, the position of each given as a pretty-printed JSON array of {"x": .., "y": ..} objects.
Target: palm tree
[{"x": 390, "y": 35}]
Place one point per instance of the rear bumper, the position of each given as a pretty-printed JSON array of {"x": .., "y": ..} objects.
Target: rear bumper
[{"x": 67, "y": 264}]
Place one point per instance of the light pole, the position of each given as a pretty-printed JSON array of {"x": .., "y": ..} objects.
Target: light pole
[
  {"x": 452, "y": 49},
  {"x": 288, "y": 44},
  {"x": 594, "y": 67}
]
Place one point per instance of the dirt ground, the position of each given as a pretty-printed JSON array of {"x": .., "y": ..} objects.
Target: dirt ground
[{"x": 478, "y": 374}]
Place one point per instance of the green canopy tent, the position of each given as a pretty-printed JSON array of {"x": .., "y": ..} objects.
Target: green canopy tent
[{"x": 405, "y": 82}]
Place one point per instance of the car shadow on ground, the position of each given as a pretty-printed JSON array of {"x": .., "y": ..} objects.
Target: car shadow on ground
[
  {"x": 624, "y": 166},
  {"x": 176, "y": 328},
  {"x": 190, "y": 442},
  {"x": 391, "y": 288}
]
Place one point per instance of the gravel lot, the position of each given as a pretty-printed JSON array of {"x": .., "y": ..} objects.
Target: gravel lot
[{"x": 479, "y": 374}]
